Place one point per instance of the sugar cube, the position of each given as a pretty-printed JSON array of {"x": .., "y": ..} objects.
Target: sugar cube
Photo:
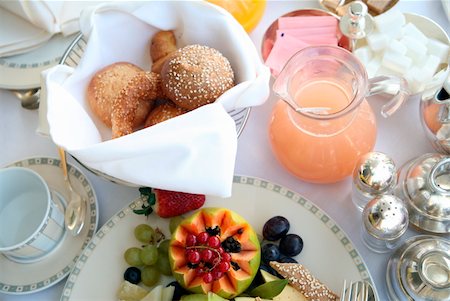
[
  {"x": 377, "y": 41},
  {"x": 390, "y": 20},
  {"x": 438, "y": 49},
  {"x": 373, "y": 66},
  {"x": 416, "y": 50},
  {"x": 412, "y": 31},
  {"x": 364, "y": 54},
  {"x": 397, "y": 47},
  {"x": 396, "y": 62},
  {"x": 431, "y": 65}
]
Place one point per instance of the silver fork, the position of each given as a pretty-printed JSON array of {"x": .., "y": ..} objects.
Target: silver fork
[{"x": 357, "y": 291}]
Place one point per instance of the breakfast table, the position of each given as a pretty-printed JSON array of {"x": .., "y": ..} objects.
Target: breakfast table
[{"x": 401, "y": 136}]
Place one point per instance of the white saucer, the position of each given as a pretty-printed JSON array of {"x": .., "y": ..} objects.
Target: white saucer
[
  {"x": 25, "y": 278},
  {"x": 23, "y": 71}
]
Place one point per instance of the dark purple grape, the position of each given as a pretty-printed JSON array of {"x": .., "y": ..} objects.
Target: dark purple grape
[
  {"x": 287, "y": 259},
  {"x": 291, "y": 245},
  {"x": 270, "y": 252},
  {"x": 275, "y": 228},
  {"x": 133, "y": 275},
  {"x": 179, "y": 290}
]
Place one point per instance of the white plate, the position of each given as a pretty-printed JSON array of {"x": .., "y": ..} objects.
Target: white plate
[
  {"x": 23, "y": 71},
  {"x": 17, "y": 278},
  {"x": 327, "y": 252}
]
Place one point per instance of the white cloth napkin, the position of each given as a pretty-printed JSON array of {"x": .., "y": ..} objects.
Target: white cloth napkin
[
  {"x": 26, "y": 25},
  {"x": 194, "y": 152}
]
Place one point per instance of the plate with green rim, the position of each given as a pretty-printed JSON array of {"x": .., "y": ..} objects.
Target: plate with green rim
[
  {"x": 328, "y": 252},
  {"x": 25, "y": 278}
]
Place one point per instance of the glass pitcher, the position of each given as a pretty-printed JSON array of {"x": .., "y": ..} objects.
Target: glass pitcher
[{"x": 323, "y": 122}]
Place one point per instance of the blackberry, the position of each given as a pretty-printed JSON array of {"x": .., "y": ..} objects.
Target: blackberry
[
  {"x": 235, "y": 266},
  {"x": 213, "y": 231},
  {"x": 231, "y": 245}
]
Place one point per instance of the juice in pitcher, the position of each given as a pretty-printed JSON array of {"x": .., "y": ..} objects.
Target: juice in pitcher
[{"x": 323, "y": 123}]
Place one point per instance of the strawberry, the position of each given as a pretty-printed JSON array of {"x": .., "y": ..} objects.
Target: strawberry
[{"x": 169, "y": 203}]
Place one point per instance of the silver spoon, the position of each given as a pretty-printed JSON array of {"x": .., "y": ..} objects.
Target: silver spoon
[
  {"x": 76, "y": 208},
  {"x": 28, "y": 98}
]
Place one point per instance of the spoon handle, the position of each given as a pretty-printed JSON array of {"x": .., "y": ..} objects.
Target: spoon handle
[{"x": 62, "y": 155}]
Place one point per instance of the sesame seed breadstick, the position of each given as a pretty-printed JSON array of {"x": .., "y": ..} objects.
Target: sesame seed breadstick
[{"x": 302, "y": 280}]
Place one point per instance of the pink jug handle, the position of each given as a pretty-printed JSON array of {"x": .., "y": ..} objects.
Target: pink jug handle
[{"x": 392, "y": 85}]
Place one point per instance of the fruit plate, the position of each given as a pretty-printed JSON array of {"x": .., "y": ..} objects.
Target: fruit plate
[{"x": 328, "y": 253}]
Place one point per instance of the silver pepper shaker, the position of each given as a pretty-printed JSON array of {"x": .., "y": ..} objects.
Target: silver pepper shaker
[
  {"x": 374, "y": 174},
  {"x": 385, "y": 220}
]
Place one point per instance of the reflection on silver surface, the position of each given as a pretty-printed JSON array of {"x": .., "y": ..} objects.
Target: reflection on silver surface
[
  {"x": 374, "y": 174},
  {"x": 385, "y": 220},
  {"x": 424, "y": 184},
  {"x": 420, "y": 270}
]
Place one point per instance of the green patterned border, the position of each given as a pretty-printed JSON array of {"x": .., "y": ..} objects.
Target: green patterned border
[
  {"x": 106, "y": 228},
  {"x": 92, "y": 200},
  {"x": 14, "y": 65}
]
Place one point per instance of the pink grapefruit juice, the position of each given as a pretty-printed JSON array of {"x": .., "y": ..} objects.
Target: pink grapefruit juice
[{"x": 321, "y": 150}]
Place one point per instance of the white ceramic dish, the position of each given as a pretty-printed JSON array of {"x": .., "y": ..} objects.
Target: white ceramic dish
[
  {"x": 25, "y": 278},
  {"x": 327, "y": 252},
  {"x": 23, "y": 71}
]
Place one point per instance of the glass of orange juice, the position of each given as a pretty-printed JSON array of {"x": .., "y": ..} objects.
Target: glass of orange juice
[{"x": 323, "y": 122}]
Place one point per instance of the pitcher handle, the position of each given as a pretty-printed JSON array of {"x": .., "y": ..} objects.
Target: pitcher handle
[{"x": 393, "y": 85}]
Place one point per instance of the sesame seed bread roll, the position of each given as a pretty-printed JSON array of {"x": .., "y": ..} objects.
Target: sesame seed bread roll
[
  {"x": 144, "y": 87},
  {"x": 163, "y": 112},
  {"x": 302, "y": 280},
  {"x": 162, "y": 45},
  {"x": 104, "y": 87},
  {"x": 196, "y": 75}
]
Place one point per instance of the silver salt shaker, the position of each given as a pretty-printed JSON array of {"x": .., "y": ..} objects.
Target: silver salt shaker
[
  {"x": 374, "y": 174},
  {"x": 385, "y": 220}
]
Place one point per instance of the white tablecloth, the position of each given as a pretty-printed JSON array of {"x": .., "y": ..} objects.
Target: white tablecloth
[{"x": 400, "y": 136}]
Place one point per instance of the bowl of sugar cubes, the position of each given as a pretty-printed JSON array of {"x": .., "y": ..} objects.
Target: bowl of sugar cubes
[{"x": 407, "y": 45}]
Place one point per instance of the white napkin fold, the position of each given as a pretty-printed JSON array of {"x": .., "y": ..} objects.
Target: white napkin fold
[
  {"x": 194, "y": 152},
  {"x": 26, "y": 25}
]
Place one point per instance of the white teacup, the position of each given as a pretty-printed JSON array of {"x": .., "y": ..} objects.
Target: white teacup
[{"x": 31, "y": 223}]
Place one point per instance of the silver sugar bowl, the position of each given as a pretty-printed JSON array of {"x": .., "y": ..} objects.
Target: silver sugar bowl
[
  {"x": 420, "y": 270},
  {"x": 424, "y": 185},
  {"x": 435, "y": 118},
  {"x": 374, "y": 174},
  {"x": 385, "y": 220}
]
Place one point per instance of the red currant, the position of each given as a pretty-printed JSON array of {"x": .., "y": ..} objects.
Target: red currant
[
  {"x": 202, "y": 237},
  {"x": 216, "y": 274},
  {"x": 224, "y": 266},
  {"x": 191, "y": 240},
  {"x": 206, "y": 255},
  {"x": 193, "y": 257},
  {"x": 226, "y": 257},
  {"x": 208, "y": 278},
  {"x": 220, "y": 250},
  {"x": 214, "y": 242}
]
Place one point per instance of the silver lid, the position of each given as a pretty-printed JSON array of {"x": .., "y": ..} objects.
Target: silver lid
[
  {"x": 357, "y": 22},
  {"x": 420, "y": 270},
  {"x": 375, "y": 173},
  {"x": 385, "y": 217},
  {"x": 424, "y": 184}
]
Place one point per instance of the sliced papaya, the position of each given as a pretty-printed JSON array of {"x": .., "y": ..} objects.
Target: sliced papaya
[{"x": 215, "y": 250}]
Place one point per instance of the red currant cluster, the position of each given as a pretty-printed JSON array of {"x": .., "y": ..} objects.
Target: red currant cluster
[{"x": 205, "y": 254}]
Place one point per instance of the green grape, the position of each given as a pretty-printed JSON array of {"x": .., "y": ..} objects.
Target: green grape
[
  {"x": 150, "y": 275},
  {"x": 132, "y": 256},
  {"x": 145, "y": 233},
  {"x": 149, "y": 254},
  {"x": 174, "y": 222},
  {"x": 163, "y": 247},
  {"x": 163, "y": 264}
]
